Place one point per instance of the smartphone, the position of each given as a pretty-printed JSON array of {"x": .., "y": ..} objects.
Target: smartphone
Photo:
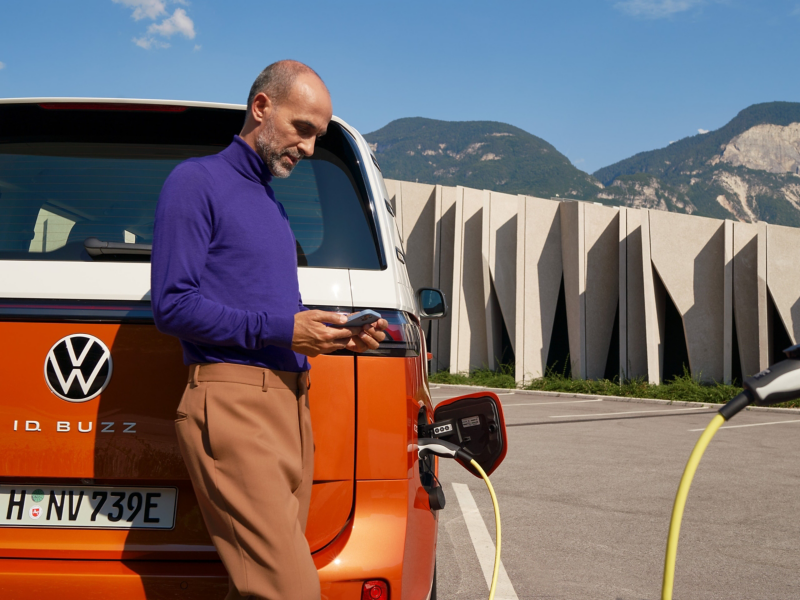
[{"x": 359, "y": 319}]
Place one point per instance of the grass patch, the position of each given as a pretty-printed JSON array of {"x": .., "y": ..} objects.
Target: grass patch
[
  {"x": 683, "y": 388},
  {"x": 502, "y": 378}
]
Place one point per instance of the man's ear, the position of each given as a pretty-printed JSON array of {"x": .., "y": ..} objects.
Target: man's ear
[{"x": 261, "y": 108}]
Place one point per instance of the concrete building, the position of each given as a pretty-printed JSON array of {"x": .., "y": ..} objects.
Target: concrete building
[{"x": 597, "y": 291}]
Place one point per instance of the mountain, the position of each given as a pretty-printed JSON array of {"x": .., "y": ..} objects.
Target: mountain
[
  {"x": 748, "y": 170},
  {"x": 478, "y": 154}
]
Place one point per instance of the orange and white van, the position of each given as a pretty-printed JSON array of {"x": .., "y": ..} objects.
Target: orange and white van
[{"x": 95, "y": 502}]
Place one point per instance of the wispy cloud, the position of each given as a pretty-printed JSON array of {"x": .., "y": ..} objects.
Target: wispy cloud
[
  {"x": 148, "y": 43},
  {"x": 796, "y": 11},
  {"x": 2, "y": 66},
  {"x": 179, "y": 22},
  {"x": 656, "y": 9},
  {"x": 151, "y": 9},
  {"x": 197, "y": 47},
  {"x": 702, "y": 131}
]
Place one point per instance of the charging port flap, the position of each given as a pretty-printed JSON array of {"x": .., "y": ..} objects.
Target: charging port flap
[{"x": 475, "y": 422}]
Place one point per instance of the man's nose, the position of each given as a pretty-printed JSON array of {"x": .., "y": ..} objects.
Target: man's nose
[{"x": 306, "y": 147}]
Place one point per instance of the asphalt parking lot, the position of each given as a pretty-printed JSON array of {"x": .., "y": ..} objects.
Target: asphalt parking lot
[{"x": 586, "y": 493}]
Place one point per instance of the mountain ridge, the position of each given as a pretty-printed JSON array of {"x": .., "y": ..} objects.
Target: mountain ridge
[
  {"x": 479, "y": 154},
  {"x": 711, "y": 171},
  {"x": 747, "y": 170}
]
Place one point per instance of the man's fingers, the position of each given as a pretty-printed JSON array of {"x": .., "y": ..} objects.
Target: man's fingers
[
  {"x": 336, "y": 333},
  {"x": 374, "y": 333},
  {"x": 369, "y": 341},
  {"x": 324, "y": 316},
  {"x": 356, "y": 345}
]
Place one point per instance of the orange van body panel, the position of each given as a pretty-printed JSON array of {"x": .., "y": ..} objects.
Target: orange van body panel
[
  {"x": 373, "y": 546},
  {"x": 151, "y": 453},
  {"x": 104, "y": 579},
  {"x": 331, "y": 503},
  {"x": 391, "y": 392},
  {"x": 146, "y": 386},
  {"x": 364, "y": 412},
  {"x": 333, "y": 416}
]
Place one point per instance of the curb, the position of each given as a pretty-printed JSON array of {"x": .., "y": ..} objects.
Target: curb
[{"x": 793, "y": 411}]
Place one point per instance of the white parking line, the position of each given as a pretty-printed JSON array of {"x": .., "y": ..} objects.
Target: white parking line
[
  {"x": 482, "y": 541},
  {"x": 628, "y": 412},
  {"x": 752, "y": 425},
  {"x": 549, "y": 403}
]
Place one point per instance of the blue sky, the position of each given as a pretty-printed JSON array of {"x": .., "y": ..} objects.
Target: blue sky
[{"x": 599, "y": 79}]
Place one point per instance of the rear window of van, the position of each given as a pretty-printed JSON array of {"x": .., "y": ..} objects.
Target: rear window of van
[{"x": 57, "y": 193}]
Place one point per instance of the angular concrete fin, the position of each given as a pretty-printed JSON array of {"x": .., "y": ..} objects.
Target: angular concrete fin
[
  {"x": 500, "y": 242},
  {"x": 633, "y": 339},
  {"x": 763, "y": 299},
  {"x": 418, "y": 224},
  {"x": 573, "y": 264},
  {"x": 727, "y": 348},
  {"x": 783, "y": 276},
  {"x": 519, "y": 329},
  {"x": 469, "y": 348},
  {"x": 538, "y": 277},
  {"x": 653, "y": 300},
  {"x": 444, "y": 234},
  {"x": 746, "y": 295},
  {"x": 488, "y": 302},
  {"x": 622, "y": 242},
  {"x": 689, "y": 254},
  {"x": 601, "y": 258}
]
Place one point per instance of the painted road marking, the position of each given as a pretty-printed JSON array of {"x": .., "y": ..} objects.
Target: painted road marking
[
  {"x": 629, "y": 412},
  {"x": 483, "y": 543},
  {"x": 752, "y": 425},
  {"x": 549, "y": 403}
]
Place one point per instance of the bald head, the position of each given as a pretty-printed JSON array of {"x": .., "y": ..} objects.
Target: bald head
[
  {"x": 289, "y": 107},
  {"x": 277, "y": 80}
]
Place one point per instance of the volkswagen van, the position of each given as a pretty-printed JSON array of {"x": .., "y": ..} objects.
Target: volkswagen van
[{"x": 95, "y": 502}]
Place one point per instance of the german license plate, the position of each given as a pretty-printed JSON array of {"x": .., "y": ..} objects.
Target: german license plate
[{"x": 87, "y": 507}]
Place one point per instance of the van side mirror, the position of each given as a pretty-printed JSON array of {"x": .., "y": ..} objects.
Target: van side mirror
[
  {"x": 475, "y": 423},
  {"x": 431, "y": 303}
]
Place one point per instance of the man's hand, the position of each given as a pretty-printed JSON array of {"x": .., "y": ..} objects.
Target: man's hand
[
  {"x": 368, "y": 337},
  {"x": 312, "y": 337}
]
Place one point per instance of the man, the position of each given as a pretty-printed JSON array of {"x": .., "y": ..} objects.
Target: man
[{"x": 224, "y": 281}]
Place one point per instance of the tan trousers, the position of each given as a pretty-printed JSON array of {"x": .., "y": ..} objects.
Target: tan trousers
[{"x": 245, "y": 435}]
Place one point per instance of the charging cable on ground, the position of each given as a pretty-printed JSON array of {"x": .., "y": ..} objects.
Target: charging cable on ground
[
  {"x": 778, "y": 383},
  {"x": 445, "y": 449}
]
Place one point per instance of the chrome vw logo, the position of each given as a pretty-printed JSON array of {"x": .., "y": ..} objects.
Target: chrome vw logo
[{"x": 78, "y": 367}]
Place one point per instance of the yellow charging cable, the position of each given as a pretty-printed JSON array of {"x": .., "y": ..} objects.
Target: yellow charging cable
[
  {"x": 496, "y": 571},
  {"x": 680, "y": 504}
]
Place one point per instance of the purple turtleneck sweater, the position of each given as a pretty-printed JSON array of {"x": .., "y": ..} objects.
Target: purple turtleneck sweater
[{"x": 224, "y": 266}]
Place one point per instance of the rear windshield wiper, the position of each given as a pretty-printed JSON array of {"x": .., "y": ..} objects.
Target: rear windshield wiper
[{"x": 98, "y": 248}]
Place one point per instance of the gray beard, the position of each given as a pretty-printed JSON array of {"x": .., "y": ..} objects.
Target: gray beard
[{"x": 271, "y": 154}]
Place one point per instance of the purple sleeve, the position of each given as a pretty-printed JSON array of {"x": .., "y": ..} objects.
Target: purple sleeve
[{"x": 182, "y": 234}]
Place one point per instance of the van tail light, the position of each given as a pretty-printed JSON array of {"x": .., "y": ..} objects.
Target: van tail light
[
  {"x": 375, "y": 589},
  {"x": 402, "y": 336}
]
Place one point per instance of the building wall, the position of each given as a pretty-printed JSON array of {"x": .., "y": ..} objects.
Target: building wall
[{"x": 642, "y": 289}]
